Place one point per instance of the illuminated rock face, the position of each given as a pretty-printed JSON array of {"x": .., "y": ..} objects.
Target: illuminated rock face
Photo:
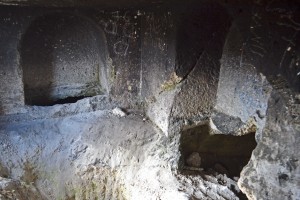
[{"x": 194, "y": 100}]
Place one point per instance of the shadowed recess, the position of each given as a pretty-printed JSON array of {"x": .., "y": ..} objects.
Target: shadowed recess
[
  {"x": 225, "y": 154},
  {"x": 62, "y": 56}
]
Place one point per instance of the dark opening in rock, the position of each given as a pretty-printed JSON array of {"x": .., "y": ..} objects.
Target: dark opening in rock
[
  {"x": 223, "y": 154},
  {"x": 62, "y": 55},
  {"x": 62, "y": 101}
]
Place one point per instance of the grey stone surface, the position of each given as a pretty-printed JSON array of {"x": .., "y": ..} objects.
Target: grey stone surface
[
  {"x": 274, "y": 166},
  {"x": 242, "y": 92},
  {"x": 157, "y": 52},
  {"x": 11, "y": 87},
  {"x": 13, "y": 189},
  {"x": 194, "y": 160},
  {"x": 117, "y": 48},
  {"x": 62, "y": 56},
  {"x": 231, "y": 66},
  {"x": 200, "y": 86},
  {"x": 98, "y": 155},
  {"x": 160, "y": 110}
]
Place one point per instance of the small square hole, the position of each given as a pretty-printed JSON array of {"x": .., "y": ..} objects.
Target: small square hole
[{"x": 224, "y": 154}]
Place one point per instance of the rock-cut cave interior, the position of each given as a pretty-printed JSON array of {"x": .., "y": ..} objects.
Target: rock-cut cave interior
[{"x": 152, "y": 100}]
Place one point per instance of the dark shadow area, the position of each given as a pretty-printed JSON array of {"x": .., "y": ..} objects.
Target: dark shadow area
[
  {"x": 69, "y": 100},
  {"x": 199, "y": 29},
  {"x": 61, "y": 101},
  {"x": 62, "y": 56},
  {"x": 224, "y": 154}
]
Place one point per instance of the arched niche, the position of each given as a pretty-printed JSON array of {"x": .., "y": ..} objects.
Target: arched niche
[{"x": 63, "y": 56}]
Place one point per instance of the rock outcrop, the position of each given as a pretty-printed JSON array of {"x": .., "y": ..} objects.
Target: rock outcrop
[{"x": 182, "y": 100}]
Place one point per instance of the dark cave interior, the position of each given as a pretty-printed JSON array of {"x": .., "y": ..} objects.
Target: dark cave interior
[{"x": 226, "y": 154}]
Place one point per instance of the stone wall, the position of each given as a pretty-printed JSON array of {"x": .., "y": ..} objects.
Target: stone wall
[
  {"x": 38, "y": 44},
  {"x": 233, "y": 66},
  {"x": 62, "y": 55}
]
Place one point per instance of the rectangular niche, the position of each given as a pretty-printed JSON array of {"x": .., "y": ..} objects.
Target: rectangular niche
[
  {"x": 225, "y": 154},
  {"x": 62, "y": 57}
]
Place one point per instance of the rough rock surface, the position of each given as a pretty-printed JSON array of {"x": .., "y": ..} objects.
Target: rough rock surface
[
  {"x": 97, "y": 155},
  {"x": 194, "y": 160},
  {"x": 276, "y": 158},
  {"x": 13, "y": 189},
  {"x": 232, "y": 67}
]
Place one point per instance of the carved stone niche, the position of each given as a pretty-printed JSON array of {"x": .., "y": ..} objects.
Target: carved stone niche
[{"x": 63, "y": 58}]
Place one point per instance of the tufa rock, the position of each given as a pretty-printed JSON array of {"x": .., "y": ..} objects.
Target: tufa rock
[
  {"x": 118, "y": 112},
  {"x": 194, "y": 160}
]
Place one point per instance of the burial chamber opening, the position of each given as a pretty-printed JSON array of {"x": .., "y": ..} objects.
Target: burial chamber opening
[
  {"x": 215, "y": 153},
  {"x": 63, "y": 58}
]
